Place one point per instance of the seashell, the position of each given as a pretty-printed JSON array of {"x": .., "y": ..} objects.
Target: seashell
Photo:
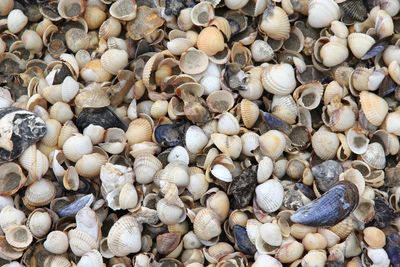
[
  {"x": 249, "y": 143},
  {"x": 70, "y": 9},
  {"x": 289, "y": 251},
  {"x": 95, "y": 133},
  {"x": 16, "y": 20},
  {"x": 114, "y": 141},
  {"x": 342, "y": 198},
  {"x": 229, "y": 145},
  {"x": 111, "y": 27},
  {"x": 321, "y": 14},
  {"x": 89, "y": 165},
  {"x": 32, "y": 41},
  {"x": 18, "y": 236},
  {"x": 374, "y": 107},
  {"x": 206, "y": 225},
  {"x": 337, "y": 49},
  {"x": 114, "y": 60},
  {"x": 39, "y": 193},
  {"x": 11, "y": 216},
  {"x": 261, "y": 51},
  {"x": 339, "y": 29},
  {"x": 123, "y": 10},
  {"x": 220, "y": 101},
  {"x": 249, "y": 112},
  {"x": 325, "y": 143},
  {"x": 81, "y": 242},
  {"x": 195, "y": 139},
  {"x": 309, "y": 95},
  {"x": 69, "y": 89},
  {"x": 56, "y": 242},
  {"x": 128, "y": 197},
  {"x": 6, "y": 7},
  {"x": 202, "y": 13},
  {"x": 394, "y": 71},
  {"x": 210, "y": 41},
  {"x": 383, "y": 24},
  {"x": 272, "y": 144},
  {"x": 366, "y": 79},
  {"x": 391, "y": 54},
  {"x": 11, "y": 178},
  {"x": 271, "y": 234},
  {"x": 358, "y": 142},
  {"x": 139, "y": 130},
  {"x": 360, "y": 43},
  {"x": 275, "y": 23},
  {"x": 228, "y": 124},
  {"x": 39, "y": 223},
  {"x": 375, "y": 156},
  {"x": 285, "y": 108},
  {"x": 61, "y": 112},
  {"x": 179, "y": 154},
  {"x": 76, "y": 146},
  {"x": 268, "y": 201},
  {"x": 377, "y": 256},
  {"x": 314, "y": 241},
  {"x": 77, "y": 39},
  {"x": 354, "y": 176},
  {"x": 193, "y": 61},
  {"x": 91, "y": 258},
  {"x": 145, "y": 167},
  {"x": 94, "y": 17},
  {"x": 176, "y": 172},
  {"x": 93, "y": 71},
  {"x": 315, "y": 257},
  {"x": 279, "y": 79},
  {"x": 20, "y": 130},
  {"x": 374, "y": 237}
]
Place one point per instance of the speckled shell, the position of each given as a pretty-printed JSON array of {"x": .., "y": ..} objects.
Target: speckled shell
[{"x": 19, "y": 129}]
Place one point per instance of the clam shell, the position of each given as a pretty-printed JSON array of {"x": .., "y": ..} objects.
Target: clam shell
[
  {"x": 374, "y": 237},
  {"x": 375, "y": 156},
  {"x": 332, "y": 207},
  {"x": 272, "y": 143},
  {"x": 333, "y": 53},
  {"x": 91, "y": 258},
  {"x": 374, "y": 107},
  {"x": 18, "y": 236},
  {"x": 16, "y": 20},
  {"x": 269, "y": 195},
  {"x": 275, "y": 23},
  {"x": 325, "y": 143},
  {"x": 249, "y": 112},
  {"x": 322, "y": 13},
  {"x": 360, "y": 43},
  {"x": 39, "y": 223},
  {"x": 271, "y": 234},
  {"x": 124, "y": 237},
  {"x": 123, "y": 10},
  {"x": 202, "y": 13},
  {"x": 229, "y": 145},
  {"x": 206, "y": 224},
  {"x": 70, "y": 9},
  {"x": 139, "y": 130},
  {"x": 220, "y": 101},
  {"x": 279, "y": 79},
  {"x": 39, "y": 193},
  {"x": 81, "y": 242},
  {"x": 195, "y": 139},
  {"x": 193, "y": 61},
  {"x": 145, "y": 167},
  {"x": 11, "y": 178},
  {"x": 56, "y": 242},
  {"x": 114, "y": 60},
  {"x": 76, "y": 146},
  {"x": 210, "y": 41}
]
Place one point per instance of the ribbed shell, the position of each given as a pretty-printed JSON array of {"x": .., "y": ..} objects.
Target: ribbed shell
[
  {"x": 210, "y": 41},
  {"x": 344, "y": 228},
  {"x": 206, "y": 225},
  {"x": 249, "y": 112},
  {"x": 374, "y": 107},
  {"x": 360, "y": 43},
  {"x": 375, "y": 156},
  {"x": 124, "y": 237},
  {"x": 275, "y": 23},
  {"x": 145, "y": 167},
  {"x": 269, "y": 195},
  {"x": 81, "y": 242},
  {"x": 40, "y": 193},
  {"x": 279, "y": 79},
  {"x": 114, "y": 60},
  {"x": 322, "y": 13}
]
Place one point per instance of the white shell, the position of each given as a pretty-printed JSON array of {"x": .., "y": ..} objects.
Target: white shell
[
  {"x": 322, "y": 13},
  {"x": 222, "y": 173},
  {"x": 56, "y": 242},
  {"x": 16, "y": 21},
  {"x": 279, "y": 79},
  {"x": 271, "y": 234},
  {"x": 76, "y": 146},
  {"x": 178, "y": 153},
  {"x": 269, "y": 195},
  {"x": 265, "y": 169},
  {"x": 195, "y": 139}
]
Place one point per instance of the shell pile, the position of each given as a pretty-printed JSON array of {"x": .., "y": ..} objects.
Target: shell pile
[{"x": 199, "y": 133}]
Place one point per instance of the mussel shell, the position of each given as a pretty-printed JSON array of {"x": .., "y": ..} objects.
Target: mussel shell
[
  {"x": 327, "y": 174},
  {"x": 25, "y": 129},
  {"x": 271, "y": 122},
  {"x": 103, "y": 117},
  {"x": 242, "y": 240},
  {"x": 243, "y": 186},
  {"x": 354, "y": 9},
  {"x": 331, "y": 208},
  {"x": 74, "y": 207},
  {"x": 384, "y": 214},
  {"x": 392, "y": 248},
  {"x": 168, "y": 135}
]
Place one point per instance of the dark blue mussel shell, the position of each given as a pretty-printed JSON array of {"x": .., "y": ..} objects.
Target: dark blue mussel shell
[
  {"x": 392, "y": 248},
  {"x": 103, "y": 117},
  {"x": 331, "y": 208},
  {"x": 168, "y": 135},
  {"x": 242, "y": 240}
]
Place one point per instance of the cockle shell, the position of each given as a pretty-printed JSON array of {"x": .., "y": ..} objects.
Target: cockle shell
[
  {"x": 275, "y": 23},
  {"x": 360, "y": 43},
  {"x": 206, "y": 224},
  {"x": 18, "y": 236},
  {"x": 210, "y": 41},
  {"x": 279, "y": 79},
  {"x": 114, "y": 60},
  {"x": 56, "y": 242},
  {"x": 39, "y": 223},
  {"x": 322, "y": 13},
  {"x": 374, "y": 107},
  {"x": 269, "y": 195},
  {"x": 325, "y": 143},
  {"x": 332, "y": 207},
  {"x": 16, "y": 20},
  {"x": 272, "y": 143},
  {"x": 39, "y": 193}
]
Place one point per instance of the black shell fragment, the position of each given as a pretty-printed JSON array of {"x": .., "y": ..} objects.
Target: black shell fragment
[
  {"x": 242, "y": 240},
  {"x": 103, "y": 117},
  {"x": 270, "y": 122},
  {"x": 384, "y": 214},
  {"x": 19, "y": 129},
  {"x": 168, "y": 135},
  {"x": 392, "y": 248},
  {"x": 243, "y": 186},
  {"x": 377, "y": 48},
  {"x": 354, "y": 9},
  {"x": 327, "y": 174},
  {"x": 331, "y": 208}
]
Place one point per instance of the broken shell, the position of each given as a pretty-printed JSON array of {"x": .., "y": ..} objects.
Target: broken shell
[
  {"x": 321, "y": 14},
  {"x": 275, "y": 23},
  {"x": 342, "y": 198},
  {"x": 12, "y": 179},
  {"x": 279, "y": 79}
]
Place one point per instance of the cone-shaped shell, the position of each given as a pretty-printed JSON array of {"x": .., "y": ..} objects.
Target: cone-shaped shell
[
  {"x": 279, "y": 79},
  {"x": 275, "y": 23},
  {"x": 331, "y": 208},
  {"x": 374, "y": 107},
  {"x": 124, "y": 237},
  {"x": 210, "y": 41}
]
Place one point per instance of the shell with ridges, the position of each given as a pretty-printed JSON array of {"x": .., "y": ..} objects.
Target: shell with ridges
[{"x": 279, "y": 79}]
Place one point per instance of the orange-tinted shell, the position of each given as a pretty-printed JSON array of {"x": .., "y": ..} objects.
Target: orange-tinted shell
[{"x": 210, "y": 41}]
